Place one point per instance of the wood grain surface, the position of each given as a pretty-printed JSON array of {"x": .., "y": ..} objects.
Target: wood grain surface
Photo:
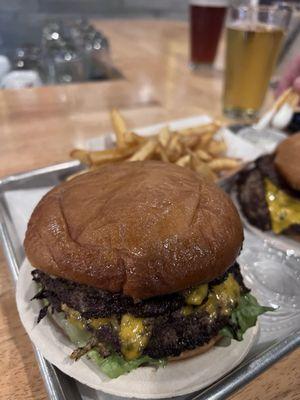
[{"x": 39, "y": 127}]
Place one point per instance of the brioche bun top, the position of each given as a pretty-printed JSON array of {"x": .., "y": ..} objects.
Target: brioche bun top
[
  {"x": 140, "y": 228},
  {"x": 287, "y": 160}
]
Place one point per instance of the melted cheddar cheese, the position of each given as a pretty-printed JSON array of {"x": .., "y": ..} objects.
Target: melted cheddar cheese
[
  {"x": 96, "y": 323},
  {"x": 134, "y": 333},
  {"x": 195, "y": 296},
  {"x": 284, "y": 209},
  {"x": 77, "y": 320},
  {"x": 223, "y": 297},
  {"x": 134, "y": 336}
]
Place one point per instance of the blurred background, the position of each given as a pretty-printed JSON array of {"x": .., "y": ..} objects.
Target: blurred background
[
  {"x": 19, "y": 17},
  {"x": 55, "y": 41}
]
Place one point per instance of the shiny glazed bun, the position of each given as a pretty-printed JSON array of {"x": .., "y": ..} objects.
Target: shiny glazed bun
[
  {"x": 141, "y": 228},
  {"x": 287, "y": 160}
]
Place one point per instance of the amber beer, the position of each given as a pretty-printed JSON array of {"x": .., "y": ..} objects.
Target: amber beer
[
  {"x": 250, "y": 59},
  {"x": 206, "y": 22},
  {"x": 254, "y": 36}
]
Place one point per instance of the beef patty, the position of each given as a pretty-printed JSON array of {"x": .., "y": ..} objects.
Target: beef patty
[
  {"x": 252, "y": 196},
  {"x": 171, "y": 331}
]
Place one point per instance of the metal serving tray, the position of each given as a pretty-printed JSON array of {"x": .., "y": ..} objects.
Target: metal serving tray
[{"x": 61, "y": 387}]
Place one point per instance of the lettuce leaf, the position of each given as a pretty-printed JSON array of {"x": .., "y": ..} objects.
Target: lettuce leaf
[
  {"x": 115, "y": 365},
  {"x": 244, "y": 316},
  {"x": 79, "y": 337}
]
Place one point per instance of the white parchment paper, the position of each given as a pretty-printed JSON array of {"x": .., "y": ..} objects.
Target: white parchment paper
[
  {"x": 21, "y": 203},
  {"x": 177, "y": 378}
]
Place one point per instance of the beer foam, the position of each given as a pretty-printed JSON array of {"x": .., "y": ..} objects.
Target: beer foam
[
  {"x": 257, "y": 26},
  {"x": 210, "y": 3}
]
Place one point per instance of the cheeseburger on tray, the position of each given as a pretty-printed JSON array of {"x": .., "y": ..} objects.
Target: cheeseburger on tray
[
  {"x": 137, "y": 263},
  {"x": 269, "y": 192}
]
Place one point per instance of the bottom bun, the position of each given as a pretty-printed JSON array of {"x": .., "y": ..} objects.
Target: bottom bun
[{"x": 197, "y": 350}]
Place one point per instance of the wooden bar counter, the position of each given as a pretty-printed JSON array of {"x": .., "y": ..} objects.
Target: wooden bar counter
[{"x": 40, "y": 126}]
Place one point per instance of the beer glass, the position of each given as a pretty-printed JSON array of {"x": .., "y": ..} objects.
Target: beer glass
[
  {"x": 254, "y": 36},
  {"x": 206, "y": 22}
]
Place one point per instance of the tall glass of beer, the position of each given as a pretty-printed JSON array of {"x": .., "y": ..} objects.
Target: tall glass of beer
[
  {"x": 254, "y": 36},
  {"x": 206, "y": 22}
]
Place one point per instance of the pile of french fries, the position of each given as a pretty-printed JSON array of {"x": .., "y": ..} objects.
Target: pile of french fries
[{"x": 198, "y": 148}]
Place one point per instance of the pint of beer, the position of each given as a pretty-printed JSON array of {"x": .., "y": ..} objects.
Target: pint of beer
[
  {"x": 254, "y": 39},
  {"x": 206, "y": 22}
]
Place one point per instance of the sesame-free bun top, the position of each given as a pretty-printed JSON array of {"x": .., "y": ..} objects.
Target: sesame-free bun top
[
  {"x": 140, "y": 228},
  {"x": 287, "y": 160}
]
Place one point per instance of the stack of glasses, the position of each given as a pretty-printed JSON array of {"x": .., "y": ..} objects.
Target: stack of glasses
[
  {"x": 74, "y": 51},
  {"x": 69, "y": 51}
]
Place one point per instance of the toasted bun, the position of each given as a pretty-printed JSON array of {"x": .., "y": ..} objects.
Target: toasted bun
[
  {"x": 143, "y": 228},
  {"x": 287, "y": 160},
  {"x": 197, "y": 351}
]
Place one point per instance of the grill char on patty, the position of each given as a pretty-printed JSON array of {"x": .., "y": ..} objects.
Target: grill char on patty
[
  {"x": 252, "y": 195},
  {"x": 171, "y": 331},
  {"x": 173, "y": 334},
  {"x": 97, "y": 303}
]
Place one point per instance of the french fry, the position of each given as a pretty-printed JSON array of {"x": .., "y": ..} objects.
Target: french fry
[
  {"x": 144, "y": 151},
  {"x": 164, "y": 136},
  {"x": 119, "y": 127},
  {"x": 174, "y": 149},
  {"x": 216, "y": 147},
  {"x": 282, "y": 99},
  {"x": 184, "y": 160},
  {"x": 161, "y": 151},
  {"x": 69, "y": 178},
  {"x": 81, "y": 155},
  {"x": 196, "y": 148},
  {"x": 110, "y": 155},
  {"x": 132, "y": 138},
  {"x": 293, "y": 100},
  {"x": 202, "y": 168},
  {"x": 123, "y": 136},
  {"x": 206, "y": 138},
  {"x": 201, "y": 129},
  {"x": 190, "y": 141},
  {"x": 220, "y": 164},
  {"x": 203, "y": 155}
]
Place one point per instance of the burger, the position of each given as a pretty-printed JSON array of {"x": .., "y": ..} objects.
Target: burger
[
  {"x": 269, "y": 191},
  {"x": 136, "y": 262}
]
